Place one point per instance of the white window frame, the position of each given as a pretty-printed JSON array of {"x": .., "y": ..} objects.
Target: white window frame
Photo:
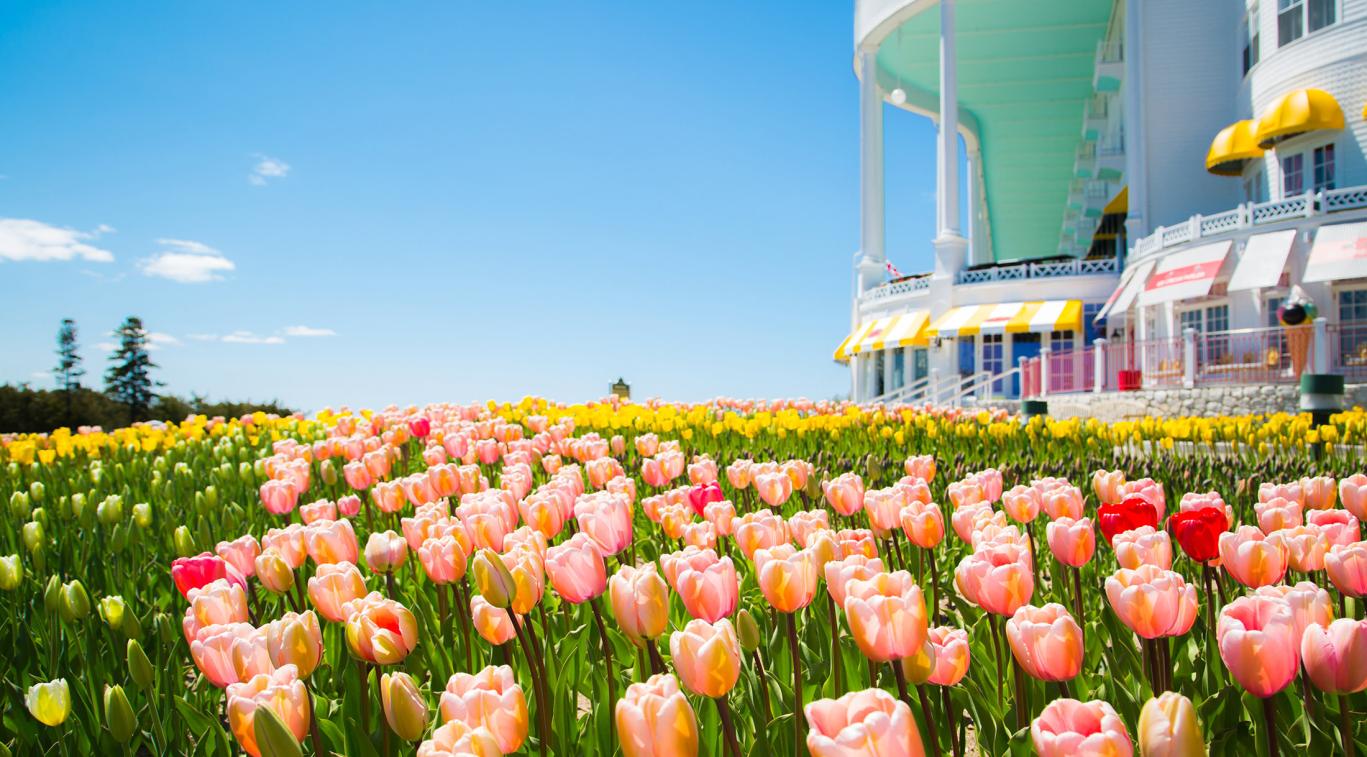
[
  {"x": 1249, "y": 32},
  {"x": 1333, "y": 164},
  {"x": 1306, "y": 31},
  {"x": 1287, "y": 194}
]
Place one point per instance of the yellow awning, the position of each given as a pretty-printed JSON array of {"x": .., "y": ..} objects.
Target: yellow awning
[
  {"x": 1298, "y": 112},
  {"x": 1009, "y": 318},
  {"x": 1234, "y": 145},
  {"x": 842, "y": 353},
  {"x": 1118, "y": 204}
]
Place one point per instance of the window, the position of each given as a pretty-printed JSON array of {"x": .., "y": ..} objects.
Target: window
[
  {"x": 1250, "y": 36},
  {"x": 1274, "y": 301},
  {"x": 993, "y": 358},
  {"x": 1297, "y": 17},
  {"x": 1324, "y": 167},
  {"x": 1353, "y": 328},
  {"x": 1293, "y": 175},
  {"x": 967, "y": 352},
  {"x": 1255, "y": 186},
  {"x": 1211, "y": 324},
  {"x": 899, "y": 376},
  {"x": 1290, "y": 21}
]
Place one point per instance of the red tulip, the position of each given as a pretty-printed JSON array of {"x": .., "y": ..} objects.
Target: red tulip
[
  {"x": 420, "y": 427},
  {"x": 202, "y": 570},
  {"x": 1198, "y": 532},
  {"x": 699, "y": 497},
  {"x": 1130, "y": 514}
]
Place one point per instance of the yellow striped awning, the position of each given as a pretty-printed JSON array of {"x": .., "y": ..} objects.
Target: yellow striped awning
[
  {"x": 1009, "y": 318},
  {"x": 1298, "y": 112},
  {"x": 901, "y": 330}
]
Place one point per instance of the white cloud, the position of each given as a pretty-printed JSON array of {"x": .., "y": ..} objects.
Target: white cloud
[
  {"x": 204, "y": 337},
  {"x": 308, "y": 331},
  {"x": 23, "y": 239},
  {"x": 247, "y": 337},
  {"x": 267, "y": 168},
  {"x": 156, "y": 340},
  {"x": 106, "y": 346},
  {"x": 40, "y": 375},
  {"x": 187, "y": 261}
]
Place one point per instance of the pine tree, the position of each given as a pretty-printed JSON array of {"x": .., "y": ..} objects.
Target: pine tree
[
  {"x": 68, "y": 370},
  {"x": 129, "y": 379}
]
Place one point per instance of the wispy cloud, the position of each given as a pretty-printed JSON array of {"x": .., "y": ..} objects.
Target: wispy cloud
[
  {"x": 106, "y": 346},
  {"x": 247, "y": 337},
  {"x": 187, "y": 261},
  {"x": 308, "y": 331},
  {"x": 157, "y": 340},
  {"x": 24, "y": 239},
  {"x": 40, "y": 375},
  {"x": 267, "y": 168}
]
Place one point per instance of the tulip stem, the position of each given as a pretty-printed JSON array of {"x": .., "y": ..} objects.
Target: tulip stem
[
  {"x": 361, "y": 678},
  {"x": 925, "y": 712},
  {"x": 1346, "y": 726},
  {"x": 1270, "y": 719},
  {"x": 836, "y": 662},
  {"x": 607, "y": 659},
  {"x": 935, "y": 588},
  {"x": 996, "y": 655},
  {"x": 952, "y": 721},
  {"x": 542, "y": 700},
  {"x": 657, "y": 663},
  {"x": 763, "y": 694},
  {"x": 797, "y": 684},
  {"x": 313, "y": 725},
  {"x": 385, "y": 728},
  {"x": 728, "y": 727},
  {"x": 1077, "y": 605}
]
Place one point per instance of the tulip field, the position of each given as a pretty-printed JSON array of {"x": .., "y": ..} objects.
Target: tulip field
[{"x": 727, "y": 578}]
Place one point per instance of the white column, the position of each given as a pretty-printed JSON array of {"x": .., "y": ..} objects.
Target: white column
[
  {"x": 887, "y": 371},
  {"x": 1044, "y": 371},
  {"x": 975, "y": 250},
  {"x": 871, "y": 207},
  {"x": 1321, "y": 345},
  {"x": 950, "y": 245},
  {"x": 855, "y": 395},
  {"x": 1189, "y": 357},
  {"x": 1099, "y": 356},
  {"x": 1136, "y": 222}
]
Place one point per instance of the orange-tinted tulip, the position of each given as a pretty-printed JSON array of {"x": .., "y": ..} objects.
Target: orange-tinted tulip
[
  {"x": 1067, "y": 728},
  {"x": 331, "y": 542},
  {"x": 240, "y": 553},
  {"x": 295, "y": 639},
  {"x": 1073, "y": 542},
  {"x": 456, "y": 739},
  {"x": 1353, "y": 495},
  {"x": 1152, "y": 602},
  {"x": 887, "y": 615},
  {"x": 1143, "y": 546},
  {"x": 333, "y": 587},
  {"x": 1108, "y": 486},
  {"x": 998, "y": 579},
  {"x": 576, "y": 569},
  {"x": 867, "y": 723},
  {"x": 212, "y": 651},
  {"x": 707, "y": 657},
  {"x": 845, "y": 493},
  {"x": 952, "y": 655},
  {"x": 1252, "y": 558},
  {"x": 490, "y": 699},
  {"x": 1347, "y": 568},
  {"x": 379, "y": 630},
  {"x": 492, "y": 623},
  {"x": 640, "y": 601},
  {"x": 839, "y": 573},
  {"x": 654, "y": 719},
  {"x": 1021, "y": 503},
  {"x": 1336, "y": 657},
  {"x": 281, "y": 691},
  {"x": 1318, "y": 492},
  {"x": 1258, "y": 643},
  {"x": 707, "y": 585},
  {"x": 1046, "y": 641},
  {"x": 759, "y": 530},
  {"x": 786, "y": 576}
]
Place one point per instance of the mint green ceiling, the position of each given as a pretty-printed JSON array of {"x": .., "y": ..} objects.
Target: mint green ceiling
[{"x": 1025, "y": 73}]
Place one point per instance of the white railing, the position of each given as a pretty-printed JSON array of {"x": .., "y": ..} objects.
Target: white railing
[
  {"x": 1046, "y": 270},
  {"x": 1249, "y": 215},
  {"x": 894, "y": 288}
]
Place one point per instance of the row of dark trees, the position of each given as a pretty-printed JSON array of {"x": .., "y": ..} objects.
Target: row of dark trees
[{"x": 130, "y": 392}]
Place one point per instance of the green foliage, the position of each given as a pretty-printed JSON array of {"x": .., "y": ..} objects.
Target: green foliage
[{"x": 27, "y": 410}]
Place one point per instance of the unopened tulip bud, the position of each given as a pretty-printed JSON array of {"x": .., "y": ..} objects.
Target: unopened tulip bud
[
  {"x": 118, "y": 538},
  {"x": 118, "y": 714},
  {"x": 273, "y": 737},
  {"x": 113, "y": 609},
  {"x": 328, "y": 470},
  {"x": 33, "y": 536},
  {"x": 211, "y": 497},
  {"x": 142, "y": 515},
  {"x": 184, "y": 542},
  {"x": 274, "y": 572},
  {"x": 492, "y": 578},
  {"x": 245, "y": 473},
  {"x": 78, "y": 505},
  {"x": 75, "y": 601},
  {"x": 1168, "y": 728},
  {"x": 49, "y": 703},
  {"x": 40, "y": 515},
  {"x": 19, "y": 505},
  {"x": 11, "y": 572},
  {"x": 110, "y": 510},
  {"x": 747, "y": 630},
  {"x": 166, "y": 630},
  {"x": 404, "y": 707},
  {"x": 36, "y": 492},
  {"x": 139, "y": 667},
  {"x": 52, "y": 594}
]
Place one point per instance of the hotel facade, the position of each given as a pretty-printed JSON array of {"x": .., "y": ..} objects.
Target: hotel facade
[{"x": 1146, "y": 182}]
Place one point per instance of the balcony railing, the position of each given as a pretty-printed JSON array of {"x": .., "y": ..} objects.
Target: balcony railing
[
  {"x": 1047, "y": 270},
  {"x": 1250, "y": 215},
  {"x": 895, "y": 288}
]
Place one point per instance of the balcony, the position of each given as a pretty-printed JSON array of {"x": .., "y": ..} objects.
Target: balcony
[
  {"x": 1084, "y": 162},
  {"x": 1047, "y": 270},
  {"x": 1094, "y": 118},
  {"x": 1110, "y": 66},
  {"x": 1251, "y": 215},
  {"x": 904, "y": 286}
]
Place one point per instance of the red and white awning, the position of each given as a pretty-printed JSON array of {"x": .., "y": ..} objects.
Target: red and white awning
[
  {"x": 1263, "y": 260},
  {"x": 1340, "y": 252},
  {"x": 1131, "y": 283},
  {"x": 1185, "y": 275}
]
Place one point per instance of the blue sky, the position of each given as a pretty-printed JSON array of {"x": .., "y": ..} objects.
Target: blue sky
[{"x": 372, "y": 202}]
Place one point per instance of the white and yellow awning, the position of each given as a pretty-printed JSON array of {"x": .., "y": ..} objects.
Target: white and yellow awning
[
  {"x": 1009, "y": 318},
  {"x": 901, "y": 330}
]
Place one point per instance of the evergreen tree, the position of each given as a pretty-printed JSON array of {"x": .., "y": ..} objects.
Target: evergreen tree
[
  {"x": 68, "y": 370},
  {"x": 128, "y": 380}
]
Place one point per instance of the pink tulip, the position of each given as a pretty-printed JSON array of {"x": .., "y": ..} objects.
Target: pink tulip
[
  {"x": 1318, "y": 492},
  {"x": 654, "y": 719},
  {"x": 1021, "y": 503},
  {"x": 739, "y": 474},
  {"x": 490, "y": 699},
  {"x": 240, "y": 553},
  {"x": 322, "y": 509},
  {"x": 702, "y": 471},
  {"x": 647, "y": 445},
  {"x": 1143, "y": 546},
  {"x": 801, "y": 525},
  {"x": 279, "y": 496},
  {"x": 331, "y": 542},
  {"x": 606, "y": 518},
  {"x": 721, "y": 515},
  {"x": 1109, "y": 486},
  {"x": 576, "y": 569},
  {"x": 845, "y": 493},
  {"x": 1046, "y": 641},
  {"x": 358, "y": 476},
  {"x": 884, "y": 508},
  {"x": 707, "y": 657},
  {"x": 288, "y": 542},
  {"x": 1347, "y": 568},
  {"x": 333, "y": 586},
  {"x": 385, "y": 551},
  {"x": 1278, "y": 513},
  {"x": 1073, "y": 542},
  {"x": 1338, "y": 526},
  {"x": 966, "y": 518},
  {"x": 281, "y": 691},
  {"x": 786, "y": 576},
  {"x": 1258, "y": 643},
  {"x": 869, "y": 722},
  {"x": 1310, "y": 605},
  {"x": 774, "y": 488},
  {"x": 759, "y": 530},
  {"x": 923, "y": 524},
  {"x": 214, "y": 604},
  {"x": 1353, "y": 495},
  {"x": 349, "y": 505},
  {"x": 709, "y": 590},
  {"x": 887, "y": 615},
  {"x": 212, "y": 651},
  {"x": 1292, "y": 491},
  {"x": 1153, "y": 602},
  {"x": 920, "y": 466},
  {"x": 1335, "y": 658},
  {"x": 491, "y": 623},
  {"x": 1067, "y": 728},
  {"x": 951, "y": 655},
  {"x": 1197, "y": 501},
  {"x": 998, "y": 579},
  {"x": 1062, "y": 502},
  {"x": 1306, "y": 547},
  {"x": 966, "y": 492},
  {"x": 640, "y": 601},
  {"x": 1251, "y": 558}
]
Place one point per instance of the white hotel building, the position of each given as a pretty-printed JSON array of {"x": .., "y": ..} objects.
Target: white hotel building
[{"x": 1146, "y": 180}]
